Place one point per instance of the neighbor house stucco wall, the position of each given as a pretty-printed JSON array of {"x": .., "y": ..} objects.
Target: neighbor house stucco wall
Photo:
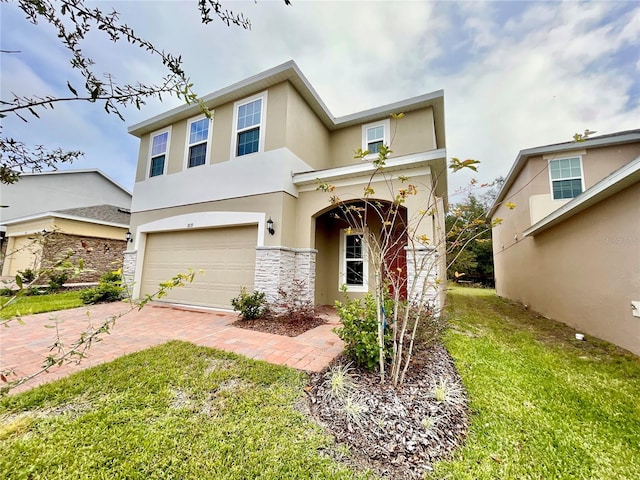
[
  {"x": 50, "y": 191},
  {"x": 583, "y": 272}
]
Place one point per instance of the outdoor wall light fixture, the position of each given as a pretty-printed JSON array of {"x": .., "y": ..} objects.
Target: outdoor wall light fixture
[
  {"x": 128, "y": 236},
  {"x": 270, "y": 228}
]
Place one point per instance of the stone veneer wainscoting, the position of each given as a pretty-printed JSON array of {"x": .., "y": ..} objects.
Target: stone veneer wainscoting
[
  {"x": 422, "y": 267},
  {"x": 278, "y": 267}
]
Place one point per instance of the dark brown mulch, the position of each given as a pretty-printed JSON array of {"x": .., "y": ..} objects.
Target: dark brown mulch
[
  {"x": 281, "y": 325},
  {"x": 402, "y": 430}
]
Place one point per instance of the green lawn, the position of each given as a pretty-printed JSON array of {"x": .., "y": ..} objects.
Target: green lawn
[
  {"x": 544, "y": 405},
  {"x": 169, "y": 412},
  {"x": 28, "y": 305}
]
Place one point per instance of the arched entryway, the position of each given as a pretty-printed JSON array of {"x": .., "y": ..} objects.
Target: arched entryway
[{"x": 355, "y": 241}]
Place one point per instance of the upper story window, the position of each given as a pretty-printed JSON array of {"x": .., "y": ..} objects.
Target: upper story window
[
  {"x": 354, "y": 265},
  {"x": 566, "y": 177},
  {"x": 197, "y": 139},
  {"x": 249, "y": 125},
  {"x": 374, "y": 135},
  {"x": 159, "y": 149}
]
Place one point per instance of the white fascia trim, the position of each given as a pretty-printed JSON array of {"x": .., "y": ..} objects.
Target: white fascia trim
[
  {"x": 406, "y": 161},
  {"x": 200, "y": 220},
  {"x": 618, "y": 180},
  {"x": 365, "y": 179},
  {"x": 280, "y": 73},
  {"x": 54, "y": 215}
]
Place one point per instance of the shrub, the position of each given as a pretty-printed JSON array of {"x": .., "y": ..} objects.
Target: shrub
[
  {"x": 359, "y": 331},
  {"x": 27, "y": 275},
  {"x": 110, "y": 289},
  {"x": 250, "y": 306},
  {"x": 57, "y": 280},
  {"x": 6, "y": 292}
]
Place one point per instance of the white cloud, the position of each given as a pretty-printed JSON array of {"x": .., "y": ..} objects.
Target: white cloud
[{"x": 515, "y": 75}]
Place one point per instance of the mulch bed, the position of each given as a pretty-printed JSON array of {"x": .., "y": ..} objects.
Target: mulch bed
[
  {"x": 402, "y": 430},
  {"x": 281, "y": 325}
]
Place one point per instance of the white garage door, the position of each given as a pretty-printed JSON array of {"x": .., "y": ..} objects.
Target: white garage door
[{"x": 227, "y": 256}]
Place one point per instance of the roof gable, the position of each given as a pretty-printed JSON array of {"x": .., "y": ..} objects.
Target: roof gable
[{"x": 618, "y": 138}]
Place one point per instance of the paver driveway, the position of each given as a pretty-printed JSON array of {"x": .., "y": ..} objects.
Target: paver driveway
[{"x": 24, "y": 347}]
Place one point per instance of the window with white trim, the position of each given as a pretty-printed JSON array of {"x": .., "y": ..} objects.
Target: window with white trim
[
  {"x": 248, "y": 128},
  {"x": 158, "y": 157},
  {"x": 197, "y": 139},
  {"x": 566, "y": 177},
  {"x": 354, "y": 265},
  {"x": 374, "y": 135}
]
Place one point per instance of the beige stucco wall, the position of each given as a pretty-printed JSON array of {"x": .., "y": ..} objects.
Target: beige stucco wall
[
  {"x": 23, "y": 252},
  {"x": 279, "y": 206},
  {"x": 306, "y": 135},
  {"x": 583, "y": 272},
  {"x": 221, "y": 135},
  {"x": 412, "y": 134},
  {"x": 312, "y": 203}
]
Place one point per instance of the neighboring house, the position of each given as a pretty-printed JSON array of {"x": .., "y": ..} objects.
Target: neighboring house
[
  {"x": 96, "y": 235},
  {"x": 37, "y": 198},
  {"x": 570, "y": 248},
  {"x": 206, "y": 191},
  {"x": 49, "y": 191}
]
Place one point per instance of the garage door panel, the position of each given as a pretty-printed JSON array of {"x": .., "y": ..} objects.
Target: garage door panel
[{"x": 227, "y": 256}]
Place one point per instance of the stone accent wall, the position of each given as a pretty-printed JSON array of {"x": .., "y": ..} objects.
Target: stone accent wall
[
  {"x": 100, "y": 255},
  {"x": 422, "y": 268},
  {"x": 129, "y": 269},
  {"x": 278, "y": 267}
]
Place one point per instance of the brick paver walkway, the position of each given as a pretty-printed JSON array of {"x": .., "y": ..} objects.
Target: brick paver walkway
[{"x": 24, "y": 347}]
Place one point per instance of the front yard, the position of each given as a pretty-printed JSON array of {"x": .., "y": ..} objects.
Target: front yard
[
  {"x": 543, "y": 405},
  {"x": 29, "y": 305}
]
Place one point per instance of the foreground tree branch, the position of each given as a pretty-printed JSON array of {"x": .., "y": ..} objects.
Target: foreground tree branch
[{"x": 72, "y": 21}]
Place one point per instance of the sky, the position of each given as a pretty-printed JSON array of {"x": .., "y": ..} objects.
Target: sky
[{"x": 515, "y": 74}]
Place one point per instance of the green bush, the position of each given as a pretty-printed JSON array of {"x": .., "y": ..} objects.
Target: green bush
[
  {"x": 110, "y": 289},
  {"x": 359, "y": 331},
  {"x": 27, "y": 275},
  {"x": 250, "y": 306},
  {"x": 57, "y": 280}
]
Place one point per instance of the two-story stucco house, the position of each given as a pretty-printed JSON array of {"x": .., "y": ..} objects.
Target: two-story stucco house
[
  {"x": 237, "y": 195},
  {"x": 570, "y": 248}
]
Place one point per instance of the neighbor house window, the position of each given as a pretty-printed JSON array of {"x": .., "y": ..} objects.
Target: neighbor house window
[
  {"x": 249, "y": 125},
  {"x": 159, "y": 148},
  {"x": 374, "y": 135},
  {"x": 566, "y": 177},
  {"x": 353, "y": 271},
  {"x": 198, "y": 136}
]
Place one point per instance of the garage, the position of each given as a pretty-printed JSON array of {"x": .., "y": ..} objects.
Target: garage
[{"x": 227, "y": 256}]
